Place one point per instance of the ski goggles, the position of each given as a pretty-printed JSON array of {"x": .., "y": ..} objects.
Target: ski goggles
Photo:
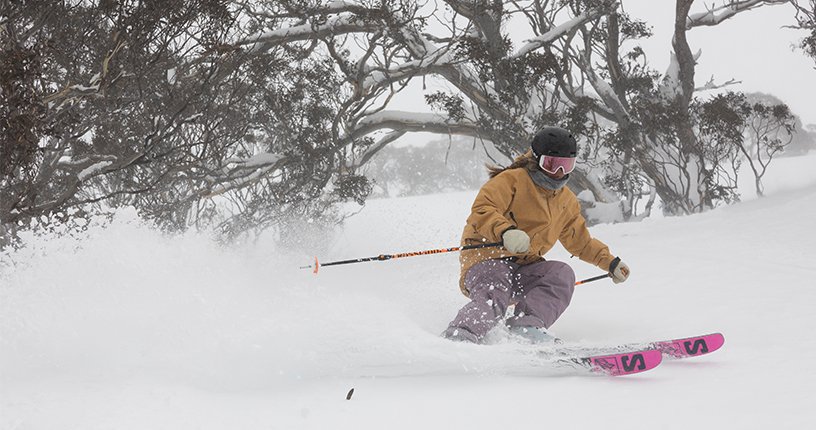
[{"x": 551, "y": 164}]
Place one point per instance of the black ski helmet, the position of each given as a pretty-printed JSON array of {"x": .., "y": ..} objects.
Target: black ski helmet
[{"x": 554, "y": 141}]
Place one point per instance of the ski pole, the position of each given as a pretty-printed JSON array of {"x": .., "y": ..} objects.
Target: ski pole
[
  {"x": 596, "y": 278},
  {"x": 317, "y": 265}
]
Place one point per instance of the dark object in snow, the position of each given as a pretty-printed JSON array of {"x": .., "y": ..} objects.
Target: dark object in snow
[{"x": 350, "y": 393}]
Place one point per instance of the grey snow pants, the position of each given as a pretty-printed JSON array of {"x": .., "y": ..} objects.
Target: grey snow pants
[{"x": 541, "y": 291}]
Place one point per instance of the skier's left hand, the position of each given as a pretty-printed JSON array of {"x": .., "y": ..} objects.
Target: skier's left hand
[{"x": 618, "y": 270}]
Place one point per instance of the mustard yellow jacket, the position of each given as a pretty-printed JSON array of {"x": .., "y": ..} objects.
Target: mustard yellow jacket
[{"x": 512, "y": 199}]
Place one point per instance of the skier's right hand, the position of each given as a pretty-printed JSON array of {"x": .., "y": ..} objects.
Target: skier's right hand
[{"x": 516, "y": 241}]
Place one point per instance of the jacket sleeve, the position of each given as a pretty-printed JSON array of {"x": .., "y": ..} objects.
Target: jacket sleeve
[
  {"x": 493, "y": 200},
  {"x": 576, "y": 239}
]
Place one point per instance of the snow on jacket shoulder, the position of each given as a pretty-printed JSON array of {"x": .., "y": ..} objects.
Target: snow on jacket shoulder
[{"x": 512, "y": 200}]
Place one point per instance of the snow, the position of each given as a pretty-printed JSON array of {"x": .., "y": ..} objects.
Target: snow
[
  {"x": 93, "y": 169},
  {"x": 258, "y": 160},
  {"x": 598, "y": 211},
  {"x": 80, "y": 87},
  {"x": 405, "y": 70},
  {"x": 124, "y": 328},
  {"x": 257, "y": 41},
  {"x": 404, "y": 116}
]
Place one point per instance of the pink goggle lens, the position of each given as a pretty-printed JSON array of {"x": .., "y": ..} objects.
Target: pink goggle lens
[{"x": 551, "y": 164}]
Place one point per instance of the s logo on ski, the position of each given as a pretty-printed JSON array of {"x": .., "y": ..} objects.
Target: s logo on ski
[
  {"x": 635, "y": 361},
  {"x": 699, "y": 346}
]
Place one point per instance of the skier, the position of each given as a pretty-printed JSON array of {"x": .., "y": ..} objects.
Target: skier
[{"x": 527, "y": 207}]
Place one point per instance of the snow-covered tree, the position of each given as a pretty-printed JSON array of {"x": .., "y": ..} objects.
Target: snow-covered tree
[
  {"x": 806, "y": 20},
  {"x": 651, "y": 130},
  {"x": 147, "y": 104},
  {"x": 241, "y": 114}
]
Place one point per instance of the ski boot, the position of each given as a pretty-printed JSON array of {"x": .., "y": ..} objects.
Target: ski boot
[
  {"x": 458, "y": 334},
  {"x": 537, "y": 335}
]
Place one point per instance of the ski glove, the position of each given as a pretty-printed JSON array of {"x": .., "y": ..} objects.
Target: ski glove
[
  {"x": 618, "y": 270},
  {"x": 516, "y": 241}
]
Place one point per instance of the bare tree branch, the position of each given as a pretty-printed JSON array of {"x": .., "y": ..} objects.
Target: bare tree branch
[{"x": 711, "y": 85}]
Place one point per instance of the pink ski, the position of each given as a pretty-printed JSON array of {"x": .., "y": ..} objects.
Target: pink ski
[
  {"x": 694, "y": 346},
  {"x": 627, "y": 363},
  {"x": 690, "y": 346}
]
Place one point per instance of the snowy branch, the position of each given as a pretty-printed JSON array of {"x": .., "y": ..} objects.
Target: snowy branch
[
  {"x": 605, "y": 91},
  {"x": 466, "y": 80},
  {"x": 243, "y": 172},
  {"x": 559, "y": 31},
  {"x": 424, "y": 66},
  {"x": 259, "y": 160},
  {"x": 93, "y": 169},
  {"x": 89, "y": 166},
  {"x": 414, "y": 122},
  {"x": 332, "y": 27},
  {"x": 670, "y": 83},
  {"x": 716, "y": 15},
  {"x": 66, "y": 96}
]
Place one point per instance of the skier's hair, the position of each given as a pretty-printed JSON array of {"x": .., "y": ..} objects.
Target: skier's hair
[{"x": 522, "y": 161}]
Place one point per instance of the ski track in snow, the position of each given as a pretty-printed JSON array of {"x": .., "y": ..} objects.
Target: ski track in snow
[{"x": 126, "y": 328}]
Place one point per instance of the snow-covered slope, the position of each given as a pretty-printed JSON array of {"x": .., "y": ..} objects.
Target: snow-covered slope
[{"x": 128, "y": 329}]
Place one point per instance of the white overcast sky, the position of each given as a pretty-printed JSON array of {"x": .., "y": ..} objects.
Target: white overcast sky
[{"x": 752, "y": 47}]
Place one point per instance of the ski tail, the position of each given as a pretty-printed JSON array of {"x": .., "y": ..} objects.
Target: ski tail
[
  {"x": 627, "y": 363},
  {"x": 690, "y": 346}
]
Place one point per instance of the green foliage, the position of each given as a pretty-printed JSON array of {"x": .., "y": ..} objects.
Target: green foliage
[
  {"x": 23, "y": 119},
  {"x": 451, "y": 104},
  {"x": 723, "y": 117},
  {"x": 634, "y": 28},
  {"x": 353, "y": 187}
]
